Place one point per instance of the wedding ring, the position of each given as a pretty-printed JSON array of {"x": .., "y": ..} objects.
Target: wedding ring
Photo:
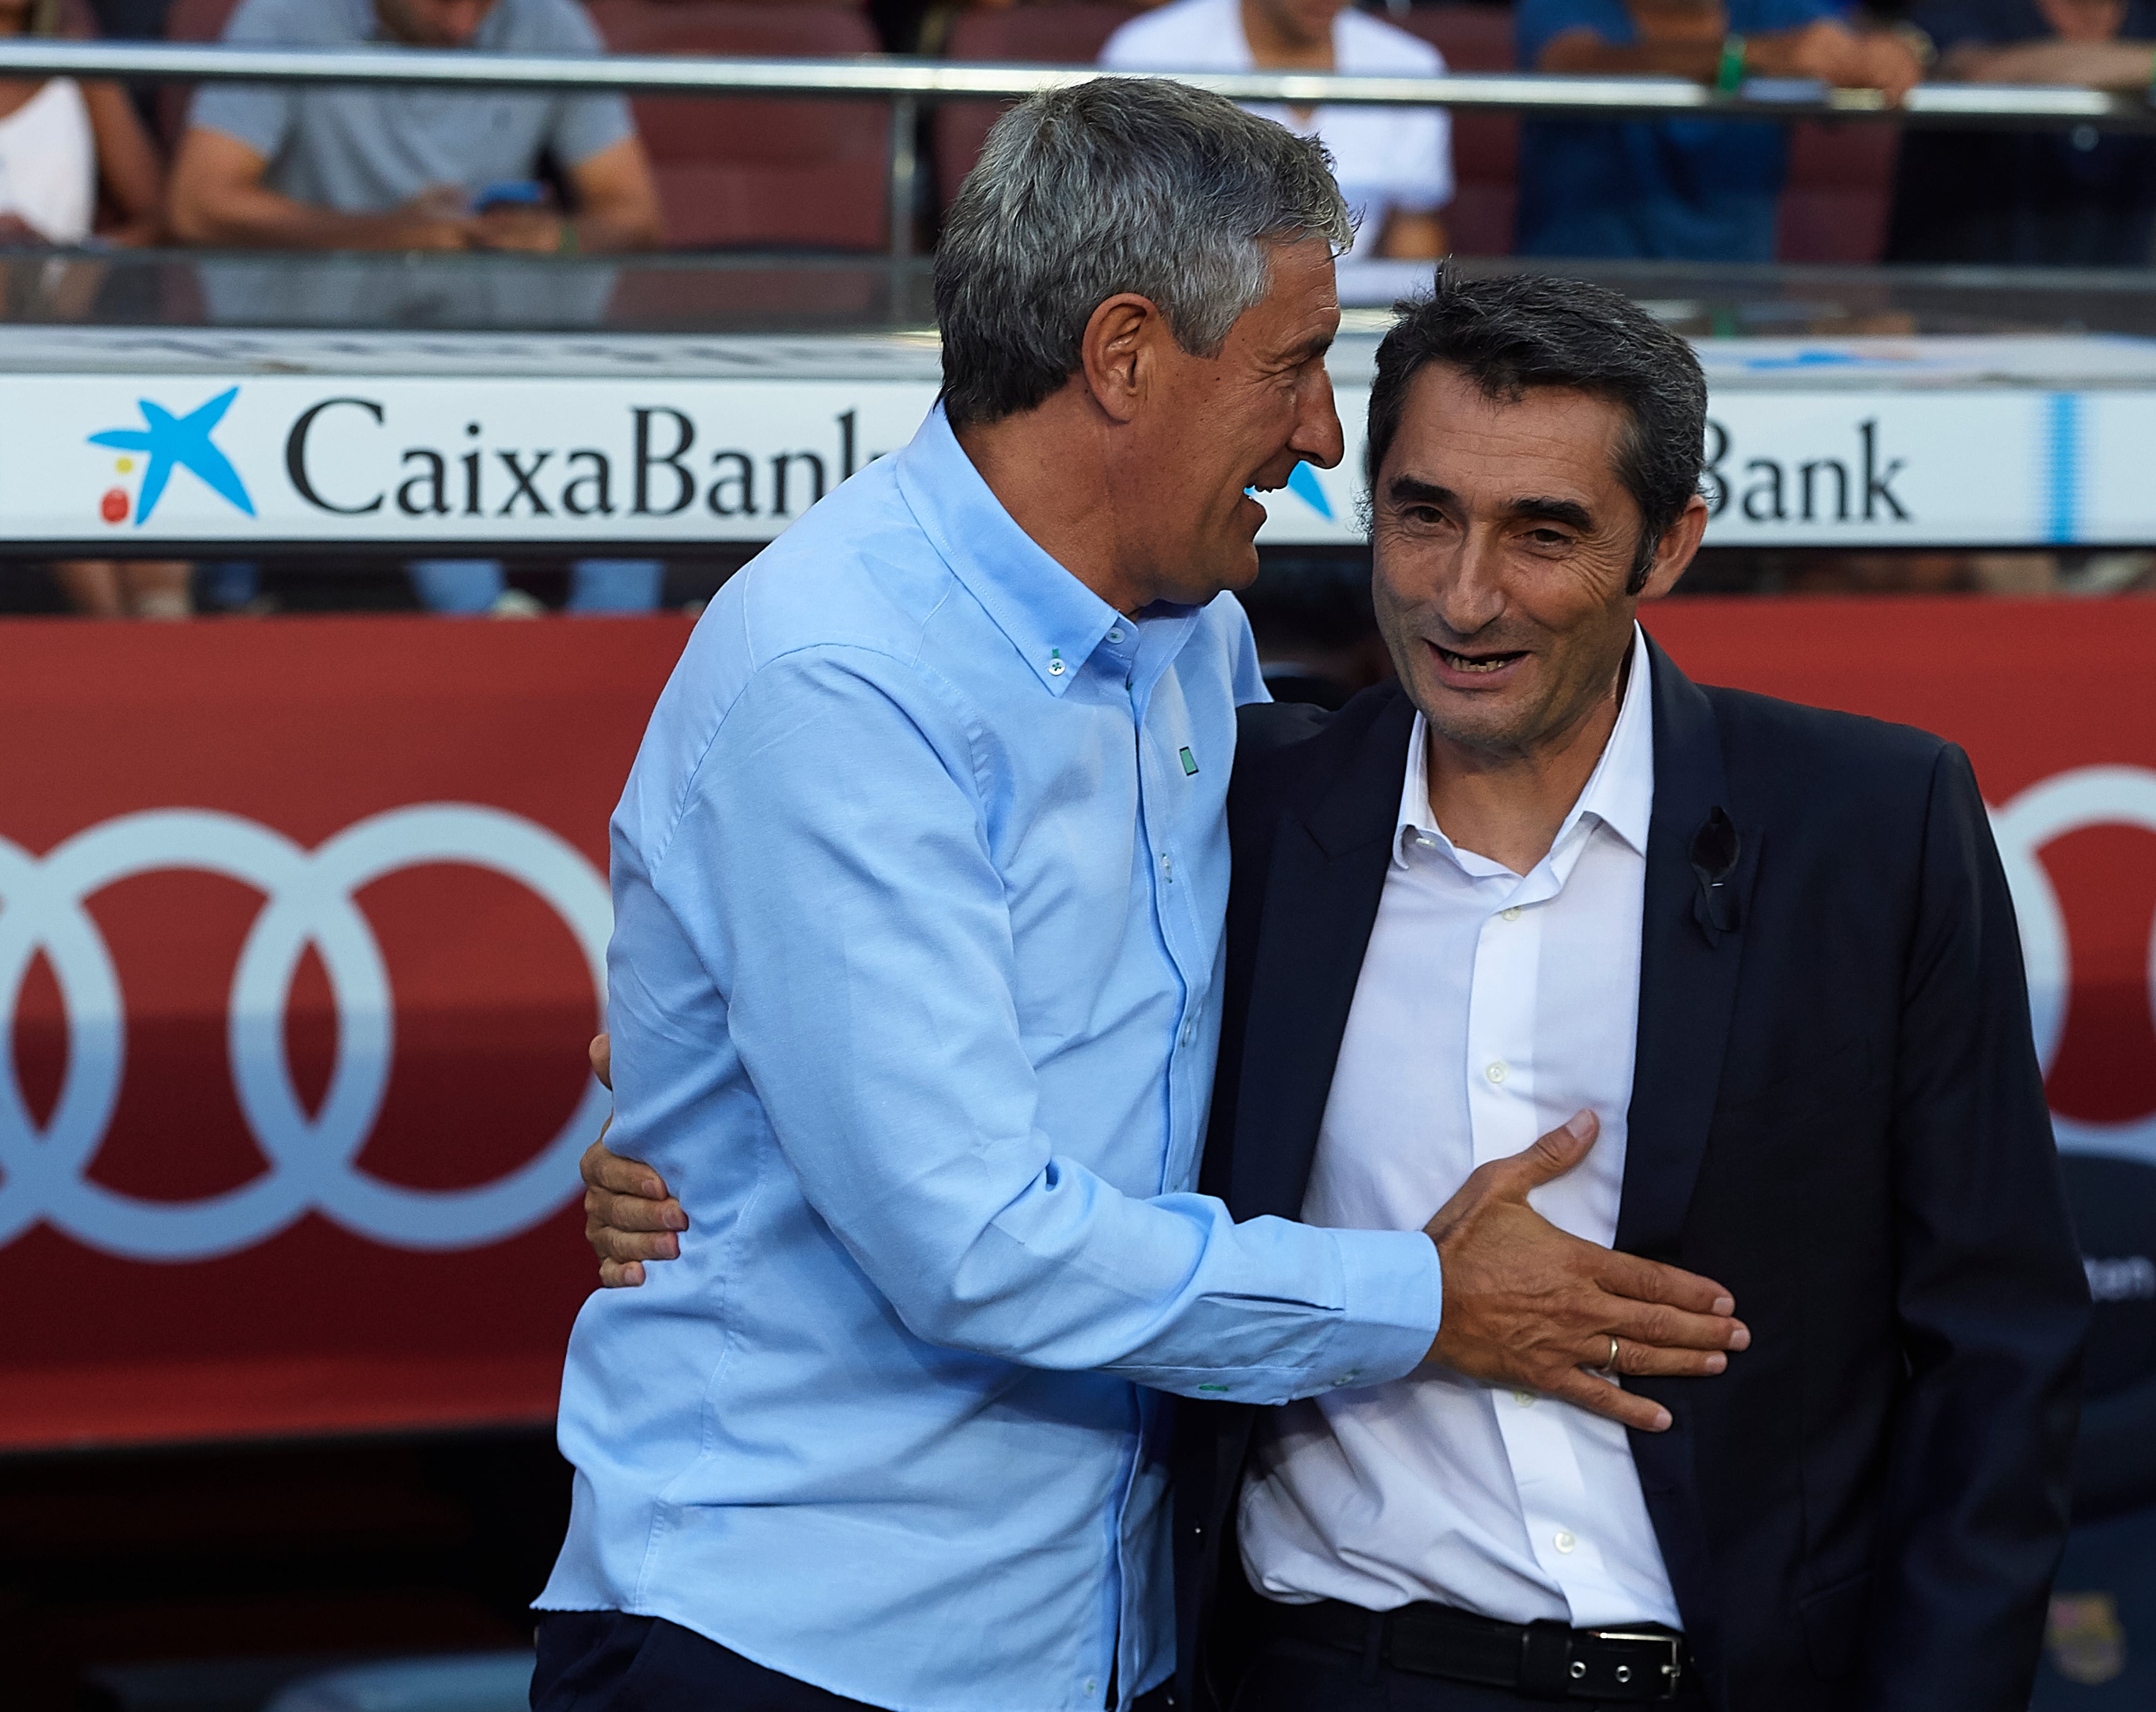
[{"x": 1610, "y": 1365}]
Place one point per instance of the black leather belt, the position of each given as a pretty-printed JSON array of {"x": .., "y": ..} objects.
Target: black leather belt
[{"x": 1542, "y": 1661}]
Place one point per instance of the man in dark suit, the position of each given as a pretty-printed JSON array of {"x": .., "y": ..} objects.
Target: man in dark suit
[
  {"x": 1772, "y": 948},
  {"x": 1768, "y": 952}
]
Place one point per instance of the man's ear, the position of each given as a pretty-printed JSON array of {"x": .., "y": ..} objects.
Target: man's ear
[
  {"x": 1674, "y": 552},
  {"x": 1117, "y": 355}
]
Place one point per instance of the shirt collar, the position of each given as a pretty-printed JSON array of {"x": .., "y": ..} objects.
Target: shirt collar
[
  {"x": 1052, "y": 619},
  {"x": 1619, "y": 793}
]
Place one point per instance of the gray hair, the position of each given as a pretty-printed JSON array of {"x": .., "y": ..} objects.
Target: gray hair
[{"x": 1120, "y": 184}]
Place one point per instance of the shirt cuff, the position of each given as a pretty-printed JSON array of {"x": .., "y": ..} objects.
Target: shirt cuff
[{"x": 1393, "y": 1298}]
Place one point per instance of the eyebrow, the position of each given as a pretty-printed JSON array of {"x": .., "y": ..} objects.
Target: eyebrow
[
  {"x": 1410, "y": 490},
  {"x": 1310, "y": 348}
]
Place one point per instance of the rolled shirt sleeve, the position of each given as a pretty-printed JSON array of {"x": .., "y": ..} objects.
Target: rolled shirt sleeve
[{"x": 833, "y": 861}]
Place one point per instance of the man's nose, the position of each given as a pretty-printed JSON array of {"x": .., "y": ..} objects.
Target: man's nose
[
  {"x": 1472, "y": 594},
  {"x": 1318, "y": 437}
]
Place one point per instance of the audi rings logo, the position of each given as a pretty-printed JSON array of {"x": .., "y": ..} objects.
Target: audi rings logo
[
  {"x": 2070, "y": 802},
  {"x": 44, "y": 1173}
]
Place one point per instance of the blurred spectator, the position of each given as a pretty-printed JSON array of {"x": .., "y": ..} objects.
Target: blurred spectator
[
  {"x": 380, "y": 168},
  {"x": 1679, "y": 189},
  {"x": 64, "y": 144},
  {"x": 1394, "y": 164},
  {"x": 65, "y": 147},
  {"x": 2077, "y": 197},
  {"x": 402, "y": 169}
]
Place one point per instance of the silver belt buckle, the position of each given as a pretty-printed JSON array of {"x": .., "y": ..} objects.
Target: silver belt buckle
[{"x": 1672, "y": 1672}]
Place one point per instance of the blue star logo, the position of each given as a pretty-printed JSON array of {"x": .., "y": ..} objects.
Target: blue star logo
[
  {"x": 179, "y": 441},
  {"x": 1302, "y": 482}
]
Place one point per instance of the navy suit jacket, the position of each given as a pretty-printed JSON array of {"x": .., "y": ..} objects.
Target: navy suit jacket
[{"x": 1836, "y": 1112}]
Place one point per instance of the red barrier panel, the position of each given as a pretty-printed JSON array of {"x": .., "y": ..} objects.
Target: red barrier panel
[
  {"x": 206, "y": 1262},
  {"x": 244, "y": 1193}
]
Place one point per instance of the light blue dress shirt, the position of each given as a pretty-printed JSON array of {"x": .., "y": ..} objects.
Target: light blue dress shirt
[{"x": 919, "y": 881}]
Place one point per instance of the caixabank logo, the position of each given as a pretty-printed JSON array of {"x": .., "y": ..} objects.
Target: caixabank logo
[{"x": 147, "y": 458}]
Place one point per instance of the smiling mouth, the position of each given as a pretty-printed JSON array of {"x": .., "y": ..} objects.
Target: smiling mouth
[{"x": 1478, "y": 663}]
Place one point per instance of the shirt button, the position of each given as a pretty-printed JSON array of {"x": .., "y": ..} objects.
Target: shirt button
[
  {"x": 1565, "y": 1540},
  {"x": 1055, "y": 669},
  {"x": 1512, "y": 913},
  {"x": 1525, "y": 1399},
  {"x": 1115, "y": 636},
  {"x": 1497, "y": 1072}
]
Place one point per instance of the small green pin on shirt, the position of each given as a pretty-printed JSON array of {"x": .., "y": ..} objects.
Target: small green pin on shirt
[{"x": 1189, "y": 763}]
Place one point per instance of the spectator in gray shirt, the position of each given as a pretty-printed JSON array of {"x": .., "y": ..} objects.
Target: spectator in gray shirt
[{"x": 375, "y": 168}]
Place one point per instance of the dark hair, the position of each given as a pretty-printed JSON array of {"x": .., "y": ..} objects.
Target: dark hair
[
  {"x": 1117, "y": 184},
  {"x": 1508, "y": 334}
]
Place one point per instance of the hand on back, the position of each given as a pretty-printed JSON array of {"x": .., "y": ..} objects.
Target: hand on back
[{"x": 629, "y": 1215}]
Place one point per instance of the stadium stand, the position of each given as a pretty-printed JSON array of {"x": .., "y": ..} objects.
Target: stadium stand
[
  {"x": 760, "y": 173},
  {"x": 1037, "y": 35},
  {"x": 1471, "y": 38},
  {"x": 188, "y": 21},
  {"x": 1841, "y": 189},
  {"x": 1486, "y": 147},
  {"x": 810, "y": 175}
]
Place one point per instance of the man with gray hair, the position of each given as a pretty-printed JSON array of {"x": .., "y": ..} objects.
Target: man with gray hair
[{"x": 919, "y": 883}]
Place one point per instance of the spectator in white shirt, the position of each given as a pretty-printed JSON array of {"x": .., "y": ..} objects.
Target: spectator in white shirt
[
  {"x": 1394, "y": 164},
  {"x": 70, "y": 152}
]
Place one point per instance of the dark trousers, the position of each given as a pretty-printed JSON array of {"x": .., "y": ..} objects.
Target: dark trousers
[
  {"x": 1301, "y": 1676},
  {"x": 606, "y": 1661}
]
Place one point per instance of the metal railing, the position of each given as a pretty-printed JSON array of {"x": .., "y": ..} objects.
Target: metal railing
[{"x": 907, "y": 83}]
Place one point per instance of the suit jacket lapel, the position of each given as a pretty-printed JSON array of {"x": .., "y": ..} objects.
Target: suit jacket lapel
[
  {"x": 1691, "y": 951},
  {"x": 1690, "y": 955},
  {"x": 1323, "y": 879}
]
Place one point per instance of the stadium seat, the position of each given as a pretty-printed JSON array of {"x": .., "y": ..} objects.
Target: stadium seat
[
  {"x": 1036, "y": 35},
  {"x": 1840, "y": 190},
  {"x": 752, "y": 172},
  {"x": 1486, "y": 147}
]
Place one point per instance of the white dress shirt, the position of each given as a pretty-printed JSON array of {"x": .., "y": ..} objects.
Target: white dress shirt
[
  {"x": 1490, "y": 1007},
  {"x": 1384, "y": 157}
]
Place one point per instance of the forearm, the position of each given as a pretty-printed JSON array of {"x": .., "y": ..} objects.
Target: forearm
[
  {"x": 1827, "y": 52},
  {"x": 1413, "y": 238},
  {"x": 255, "y": 218},
  {"x": 2102, "y": 65},
  {"x": 1582, "y": 53},
  {"x": 612, "y": 229},
  {"x": 127, "y": 166}
]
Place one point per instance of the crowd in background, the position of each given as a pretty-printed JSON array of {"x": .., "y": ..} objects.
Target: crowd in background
[{"x": 263, "y": 167}]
